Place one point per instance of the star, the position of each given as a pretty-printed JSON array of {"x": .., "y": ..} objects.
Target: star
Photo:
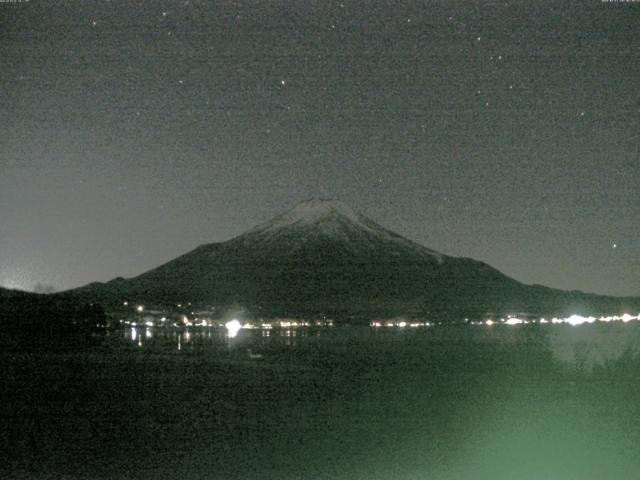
[
  {"x": 615, "y": 245},
  {"x": 282, "y": 82}
]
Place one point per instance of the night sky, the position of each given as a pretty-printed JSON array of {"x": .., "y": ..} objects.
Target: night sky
[{"x": 133, "y": 131}]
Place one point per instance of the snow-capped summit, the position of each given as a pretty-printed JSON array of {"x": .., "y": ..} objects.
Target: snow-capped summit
[
  {"x": 331, "y": 219},
  {"x": 313, "y": 212}
]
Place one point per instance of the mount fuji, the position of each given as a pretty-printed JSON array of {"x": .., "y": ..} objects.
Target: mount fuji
[{"x": 323, "y": 258}]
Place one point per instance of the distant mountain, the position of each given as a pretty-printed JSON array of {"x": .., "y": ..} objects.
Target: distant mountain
[
  {"x": 6, "y": 293},
  {"x": 47, "y": 322},
  {"x": 323, "y": 258}
]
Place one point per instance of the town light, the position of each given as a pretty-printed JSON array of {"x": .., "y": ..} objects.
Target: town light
[{"x": 233, "y": 327}]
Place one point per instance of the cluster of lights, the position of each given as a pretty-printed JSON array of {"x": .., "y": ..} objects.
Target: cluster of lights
[
  {"x": 185, "y": 321},
  {"x": 513, "y": 320},
  {"x": 294, "y": 324},
  {"x": 572, "y": 320},
  {"x": 401, "y": 324},
  {"x": 234, "y": 326},
  {"x": 289, "y": 324}
]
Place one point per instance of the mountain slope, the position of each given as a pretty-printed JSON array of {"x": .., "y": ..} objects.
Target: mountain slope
[{"x": 321, "y": 257}]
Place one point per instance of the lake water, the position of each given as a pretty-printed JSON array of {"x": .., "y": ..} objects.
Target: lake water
[
  {"x": 552, "y": 402},
  {"x": 585, "y": 345}
]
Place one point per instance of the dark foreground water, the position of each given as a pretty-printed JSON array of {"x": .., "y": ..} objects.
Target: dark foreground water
[{"x": 557, "y": 402}]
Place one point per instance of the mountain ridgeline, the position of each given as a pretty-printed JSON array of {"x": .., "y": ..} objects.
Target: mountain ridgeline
[
  {"x": 322, "y": 258},
  {"x": 32, "y": 321}
]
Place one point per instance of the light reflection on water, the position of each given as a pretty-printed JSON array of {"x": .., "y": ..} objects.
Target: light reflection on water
[
  {"x": 591, "y": 344},
  {"x": 207, "y": 339}
]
